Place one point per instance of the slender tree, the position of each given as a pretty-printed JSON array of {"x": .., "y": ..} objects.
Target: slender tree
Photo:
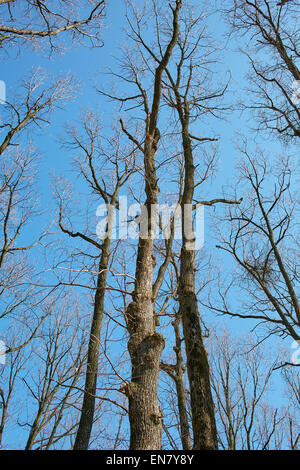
[
  {"x": 191, "y": 100},
  {"x": 176, "y": 372},
  {"x": 91, "y": 160}
]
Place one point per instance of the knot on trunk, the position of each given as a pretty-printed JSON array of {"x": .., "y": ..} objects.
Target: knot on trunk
[
  {"x": 146, "y": 352},
  {"x": 131, "y": 317},
  {"x": 156, "y": 419}
]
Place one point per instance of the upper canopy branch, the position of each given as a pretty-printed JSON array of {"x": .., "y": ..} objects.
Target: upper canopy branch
[{"x": 49, "y": 20}]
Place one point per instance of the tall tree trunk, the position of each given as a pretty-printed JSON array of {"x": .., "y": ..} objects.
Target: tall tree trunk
[
  {"x": 145, "y": 344},
  {"x": 88, "y": 404},
  {"x": 203, "y": 418}
]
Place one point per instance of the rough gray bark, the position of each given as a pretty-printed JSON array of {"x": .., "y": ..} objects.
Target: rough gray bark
[
  {"x": 145, "y": 344},
  {"x": 203, "y": 418}
]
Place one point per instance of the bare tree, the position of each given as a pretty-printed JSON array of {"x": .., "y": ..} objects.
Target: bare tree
[
  {"x": 189, "y": 105},
  {"x": 32, "y": 105},
  {"x": 20, "y": 294},
  {"x": 141, "y": 291},
  {"x": 192, "y": 100},
  {"x": 292, "y": 389},
  {"x": 145, "y": 344},
  {"x": 272, "y": 33},
  {"x": 57, "y": 358},
  {"x": 97, "y": 154},
  {"x": 31, "y": 21},
  {"x": 9, "y": 376},
  {"x": 262, "y": 241},
  {"x": 242, "y": 383}
]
